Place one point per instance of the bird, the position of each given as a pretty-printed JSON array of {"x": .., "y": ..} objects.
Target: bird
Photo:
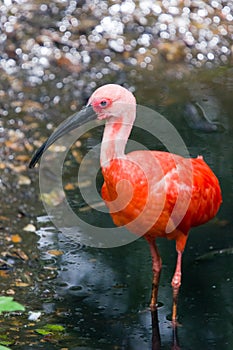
[{"x": 143, "y": 188}]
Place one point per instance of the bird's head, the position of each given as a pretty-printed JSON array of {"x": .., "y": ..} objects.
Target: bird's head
[
  {"x": 107, "y": 102},
  {"x": 111, "y": 101}
]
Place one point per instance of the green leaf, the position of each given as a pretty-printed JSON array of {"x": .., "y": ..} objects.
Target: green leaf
[
  {"x": 8, "y": 304},
  {"x": 50, "y": 329},
  {"x": 5, "y": 342},
  {"x": 54, "y": 327},
  {"x": 4, "y": 348},
  {"x": 4, "y": 338},
  {"x": 42, "y": 331}
]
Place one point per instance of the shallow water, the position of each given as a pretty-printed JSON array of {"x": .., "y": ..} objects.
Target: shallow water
[
  {"x": 101, "y": 296},
  {"x": 105, "y": 292}
]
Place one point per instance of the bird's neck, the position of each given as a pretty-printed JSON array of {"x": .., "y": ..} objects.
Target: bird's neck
[{"x": 116, "y": 134}]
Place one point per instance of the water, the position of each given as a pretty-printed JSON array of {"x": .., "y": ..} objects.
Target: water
[
  {"x": 101, "y": 296},
  {"x": 105, "y": 293}
]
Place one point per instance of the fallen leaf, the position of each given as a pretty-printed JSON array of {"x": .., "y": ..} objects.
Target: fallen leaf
[
  {"x": 4, "y": 273},
  {"x": 4, "y": 348},
  {"x": 21, "y": 284},
  {"x": 31, "y": 106},
  {"x": 50, "y": 268},
  {"x": 16, "y": 238},
  {"x": 29, "y": 228},
  {"x": 50, "y": 329},
  {"x": 55, "y": 252},
  {"x": 69, "y": 187},
  {"x": 57, "y": 148},
  {"x": 22, "y": 158},
  {"x": 10, "y": 292},
  {"x": 8, "y": 304},
  {"x": 17, "y": 169},
  {"x": 53, "y": 198},
  {"x": 14, "y": 146},
  {"x": 24, "y": 180},
  {"x": 27, "y": 145},
  {"x": 19, "y": 253},
  {"x": 4, "y": 218},
  {"x": 77, "y": 155}
]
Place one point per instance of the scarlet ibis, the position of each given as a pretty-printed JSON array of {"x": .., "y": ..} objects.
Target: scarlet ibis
[{"x": 152, "y": 179}]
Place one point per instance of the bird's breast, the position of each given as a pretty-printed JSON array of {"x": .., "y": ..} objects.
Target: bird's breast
[
  {"x": 158, "y": 192},
  {"x": 135, "y": 192}
]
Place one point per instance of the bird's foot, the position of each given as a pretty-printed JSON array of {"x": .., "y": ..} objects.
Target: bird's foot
[{"x": 175, "y": 340}]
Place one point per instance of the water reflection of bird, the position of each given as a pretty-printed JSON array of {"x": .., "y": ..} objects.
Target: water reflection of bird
[{"x": 155, "y": 194}]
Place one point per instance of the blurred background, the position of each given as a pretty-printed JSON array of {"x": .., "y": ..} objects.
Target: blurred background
[{"x": 176, "y": 57}]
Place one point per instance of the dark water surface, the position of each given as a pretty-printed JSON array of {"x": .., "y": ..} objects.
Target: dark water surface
[{"x": 103, "y": 294}]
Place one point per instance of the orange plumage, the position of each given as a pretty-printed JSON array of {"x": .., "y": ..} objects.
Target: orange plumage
[{"x": 204, "y": 202}]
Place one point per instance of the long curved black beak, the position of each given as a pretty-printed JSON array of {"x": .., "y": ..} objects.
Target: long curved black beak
[{"x": 85, "y": 115}]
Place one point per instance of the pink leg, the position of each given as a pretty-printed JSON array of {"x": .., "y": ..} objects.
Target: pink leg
[
  {"x": 156, "y": 268},
  {"x": 176, "y": 282}
]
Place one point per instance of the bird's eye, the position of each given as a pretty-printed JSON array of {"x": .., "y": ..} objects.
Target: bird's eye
[{"x": 103, "y": 103}]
